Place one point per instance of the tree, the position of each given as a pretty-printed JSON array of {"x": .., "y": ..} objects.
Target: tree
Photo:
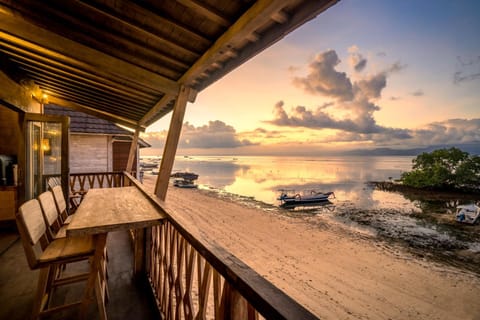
[
  {"x": 468, "y": 173},
  {"x": 444, "y": 168}
]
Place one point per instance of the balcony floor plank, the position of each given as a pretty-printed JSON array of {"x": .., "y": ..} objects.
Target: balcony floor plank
[{"x": 128, "y": 298}]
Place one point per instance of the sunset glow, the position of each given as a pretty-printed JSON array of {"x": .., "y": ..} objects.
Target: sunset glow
[{"x": 361, "y": 75}]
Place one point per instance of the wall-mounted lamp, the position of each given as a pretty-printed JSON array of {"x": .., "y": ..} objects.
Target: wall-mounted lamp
[{"x": 46, "y": 147}]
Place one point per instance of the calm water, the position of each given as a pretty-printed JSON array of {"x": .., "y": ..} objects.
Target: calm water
[
  {"x": 425, "y": 226},
  {"x": 262, "y": 177}
]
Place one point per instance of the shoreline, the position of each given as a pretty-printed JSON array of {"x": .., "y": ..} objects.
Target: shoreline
[{"x": 334, "y": 272}]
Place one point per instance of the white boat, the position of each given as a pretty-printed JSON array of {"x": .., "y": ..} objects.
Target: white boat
[
  {"x": 298, "y": 199},
  {"x": 469, "y": 213},
  {"x": 183, "y": 183},
  {"x": 184, "y": 179}
]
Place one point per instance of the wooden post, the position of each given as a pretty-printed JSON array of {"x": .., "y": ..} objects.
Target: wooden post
[
  {"x": 133, "y": 152},
  {"x": 171, "y": 144}
]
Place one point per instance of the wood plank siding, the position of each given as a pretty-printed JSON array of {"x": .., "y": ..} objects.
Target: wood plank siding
[{"x": 90, "y": 153}]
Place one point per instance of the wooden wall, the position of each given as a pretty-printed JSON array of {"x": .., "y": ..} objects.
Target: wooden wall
[
  {"x": 90, "y": 153},
  {"x": 10, "y": 131}
]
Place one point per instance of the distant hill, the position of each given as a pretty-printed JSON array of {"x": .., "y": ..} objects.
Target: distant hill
[{"x": 472, "y": 148}]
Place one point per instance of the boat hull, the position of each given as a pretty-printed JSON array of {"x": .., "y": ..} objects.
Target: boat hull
[{"x": 299, "y": 200}]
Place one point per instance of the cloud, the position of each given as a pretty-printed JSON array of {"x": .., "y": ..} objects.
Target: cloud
[
  {"x": 452, "y": 131},
  {"x": 418, "y": 93},
  {"x": 468, "y": 69},
  {"x": 216, "y": 134},
  {"x": 460, "y": 77},
  {"x": 361, "y": 111},
  {"x": 396, "y": 67},
  {"x": 323, "y": 79},
  {"x": 373, "y": 86},
  {"x": 356, "y": 59},
  {"x": 354, "y": 100}
]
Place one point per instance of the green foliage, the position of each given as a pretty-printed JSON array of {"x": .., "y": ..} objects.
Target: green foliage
[{"x": 444, "y": 168}]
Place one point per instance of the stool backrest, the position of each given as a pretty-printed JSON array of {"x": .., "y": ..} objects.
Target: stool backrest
[
  {"x": 32, "y": 228},
  {"x": 60, "y": 201},
  {"x": 53, "y": 181},
  {"x": 50, "y": 212}
]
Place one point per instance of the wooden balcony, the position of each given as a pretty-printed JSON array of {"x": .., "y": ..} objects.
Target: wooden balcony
[{"x": 186, "y": 277}]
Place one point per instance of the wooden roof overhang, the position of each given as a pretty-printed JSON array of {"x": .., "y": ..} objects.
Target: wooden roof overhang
[{"x": 125, "y": 61}]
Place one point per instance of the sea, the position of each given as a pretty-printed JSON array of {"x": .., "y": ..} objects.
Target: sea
[{"x": 423, "y": 224}]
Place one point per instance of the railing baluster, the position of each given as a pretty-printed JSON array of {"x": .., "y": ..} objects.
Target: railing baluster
[{"x": 189, "y": 272}]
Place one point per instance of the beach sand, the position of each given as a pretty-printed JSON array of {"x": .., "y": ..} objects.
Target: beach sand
[{"x": 332, "y": 271}]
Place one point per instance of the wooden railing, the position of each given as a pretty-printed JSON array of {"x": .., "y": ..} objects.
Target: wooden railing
[
  {"x": 192, "y": 278},
  {"x": 81, "y": 182}
]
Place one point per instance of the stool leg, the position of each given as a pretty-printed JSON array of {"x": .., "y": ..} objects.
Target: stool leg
[
  {"x": 95, "y": 269},
  {"x": 100, "y": 295},
  {"x": 38, "y": 301},
  {"x": 104, "y": 277}
]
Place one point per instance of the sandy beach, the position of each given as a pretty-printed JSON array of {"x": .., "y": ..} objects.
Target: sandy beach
[{"x": 332, "y": 271}]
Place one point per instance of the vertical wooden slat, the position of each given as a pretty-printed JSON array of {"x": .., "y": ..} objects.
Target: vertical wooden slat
[
  {"x": 179, "y": 290},
  {"x": 217, "y": 293},
  {"x": 204, "y": 280},
  {"x": 189, "y": 272},
  {"x": 171, "y": 144}
]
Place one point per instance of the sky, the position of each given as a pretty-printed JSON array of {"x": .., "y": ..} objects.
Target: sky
[{"x": 361, "y": 75}]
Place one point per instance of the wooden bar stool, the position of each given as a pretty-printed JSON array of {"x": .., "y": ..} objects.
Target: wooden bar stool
[
  {"x": 49, "y": 255},
  {"x": 55, "y": 227},
  {"x": 73, "y": 198},
  {"x": 61, "y": 204},
  {"x": 56, "y": 230}
]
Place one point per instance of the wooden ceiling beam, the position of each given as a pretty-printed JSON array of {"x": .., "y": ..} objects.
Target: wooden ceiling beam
[
  {"x": 100, "y": 114},
  {"x": 71, "y": 80},
  {"x": 130, "y": 11},
  {"x": 160, "y": 108},
  {"x": 81, "y": 56},
  {"x": 209, "y": 12},
  {"x": 153, "y": 113},
  {"x": 114, "y": 42},
  {"x": 51, "y": 86},
  {"x": 258, "y": 15},
  {"x": 25, "y": 57},
  {"x": 123, "y": 18},
  {"x": 275, "y": 32}
]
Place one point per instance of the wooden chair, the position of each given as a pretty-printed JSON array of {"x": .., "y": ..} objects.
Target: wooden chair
[
  {"x": 61, "y": 204},
  {"x": 49, "y": 255},
  {"x": 56, "y": 230},
  {"x": 55, "y": 226},
  {"x": 73, "y": 198}
]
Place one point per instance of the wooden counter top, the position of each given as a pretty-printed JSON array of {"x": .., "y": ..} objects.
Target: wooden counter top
[{"x": 112, "y": 209}]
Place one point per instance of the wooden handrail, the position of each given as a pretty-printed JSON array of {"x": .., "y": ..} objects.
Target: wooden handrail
[
  {"x": 81, "y": 182},
  {"x": 174, "y": 246}
]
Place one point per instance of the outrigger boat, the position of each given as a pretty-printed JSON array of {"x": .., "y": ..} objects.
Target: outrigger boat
[
  {"x": 185, "y": 175},
  {"x": 182, "y": 183},
  {"x": 469, "y": 213},
  {"x": 308, "y": 199},
  {"x": 184, "y": 179}
]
